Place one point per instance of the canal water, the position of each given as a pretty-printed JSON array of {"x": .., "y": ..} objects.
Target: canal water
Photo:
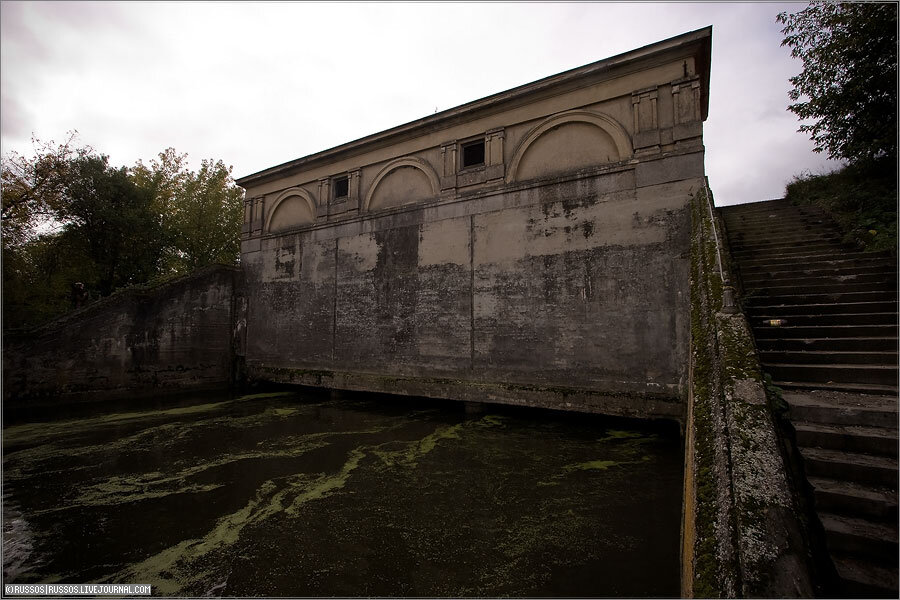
[{"x": 293, "y": 494}]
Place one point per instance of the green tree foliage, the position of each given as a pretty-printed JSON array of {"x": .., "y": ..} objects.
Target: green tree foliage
[
  {"x": 68, "y": 216},
  {"x": 39, "y": 263},
  {"x": 33, "y": 187},
  {"x": 862, "y": 201},
  {"x": 38, "y": 278},
  {"x": 848, "y": 85},
  {"x": 202, "y": 210},
  {"x": 111, "y": 220}
]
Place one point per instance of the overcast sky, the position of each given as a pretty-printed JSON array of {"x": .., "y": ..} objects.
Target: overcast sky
[{"x": 259, "y": 84}]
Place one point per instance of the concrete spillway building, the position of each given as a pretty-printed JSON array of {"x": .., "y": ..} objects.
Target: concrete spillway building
[{"x": 529, "y": 247}]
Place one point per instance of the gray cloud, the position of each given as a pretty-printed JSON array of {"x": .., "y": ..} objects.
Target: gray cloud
[
  {"x": 260, "y": 84},
  {"x": 14, "y": 119}
]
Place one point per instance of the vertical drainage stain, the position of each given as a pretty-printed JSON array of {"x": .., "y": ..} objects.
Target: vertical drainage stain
[
  {"x": 471, "y": 292},
  {"x": 334, "y": 305},
  {"x": 396, "y": 289}
]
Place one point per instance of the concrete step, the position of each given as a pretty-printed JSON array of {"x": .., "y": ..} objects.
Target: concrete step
[
  {"x": 833, "y": 408},
  {"x": 830, "y": 288},
  {"x": 852, "y": 438},
  {"x": 843, "y": 373},
  {"x": 779, "y": 245},
  {"x": 806, "y": 237},
  {"x": 787, "y": 310},
  {"x": 777, "y": 208},
  {"x": 836, "y": 258},
  {"x": 830, "y": 331},
  {"x": 856, "y": 388},
  {"x": 808, "y": 271},
  {"x": 795, "y": 299},
  {"x": 861, "y": 537},
  {"x": 773, "y": 204},
  {"x": 836, "y": 309},
  {"x": 812, "y": 282},
  {"x": 828, "y": 358},
  {"x": 848, "y": 498},
  {"x": 863, "y": 579},
  {"x": 851, "y": 466},
  {"x": 768, "y": 225},
  {"x": 787, "y": 251},
  {"x": 772, "y": 213},
  {"x": 774, "y": 216},
  {"x": 778, "y": 272},
  {"x": 764, "y": 224},
  {"x": 764, "y": 321},
  {"x": 763, "y": 204},
  {"x": 751, "y": 220},
  {"x": 826, "y": 344},
  {"x": 773, "y": 232}
]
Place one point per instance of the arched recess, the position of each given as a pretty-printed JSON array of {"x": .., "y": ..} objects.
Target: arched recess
[
  {"x": 401, "y": 182},
  {"x": 292, "y": 208},
  {"x": 593, "y": 138}
]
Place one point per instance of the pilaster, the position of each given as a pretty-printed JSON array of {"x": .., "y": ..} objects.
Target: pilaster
[{"x": 646, "y": 121}]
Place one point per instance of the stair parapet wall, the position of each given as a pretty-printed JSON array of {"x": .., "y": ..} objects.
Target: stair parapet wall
[
  {"x": 176, "y": 336},
  {"x": 743, "y": 535}
]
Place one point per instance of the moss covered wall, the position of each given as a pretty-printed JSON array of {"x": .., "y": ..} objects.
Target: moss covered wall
[{"x": 742, "y": 533}]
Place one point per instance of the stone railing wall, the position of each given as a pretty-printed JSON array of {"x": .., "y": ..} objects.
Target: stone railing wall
[
  {"x": 743, "y": 533},
  {"x": 176, "y": 336}
]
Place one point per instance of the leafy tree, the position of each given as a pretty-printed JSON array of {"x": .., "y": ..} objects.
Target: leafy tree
[
  {"x": 208, "y": 217},
  {"x": 113, "y": 221},
  {"x": 39, "y": 266},
  {"x": 849, "y": 79},
  {"x": 38, "y": 278},
  {"x": 68, "y": 216},
  {"x": 33, "y": 187},
  {"x": 201, "y": 211},
  {"x": 163, "y": 178}
]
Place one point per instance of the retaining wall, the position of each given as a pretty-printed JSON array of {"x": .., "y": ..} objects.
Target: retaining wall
[{"x": 173, "y": 337}]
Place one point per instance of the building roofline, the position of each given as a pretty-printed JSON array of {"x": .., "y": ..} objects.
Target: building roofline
[{"x": 451, "y": 116}]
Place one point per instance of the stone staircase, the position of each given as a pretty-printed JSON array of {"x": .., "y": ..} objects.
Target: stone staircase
[{"x": 824, "y": 317}]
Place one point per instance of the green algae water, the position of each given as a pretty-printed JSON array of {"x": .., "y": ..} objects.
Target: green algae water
[{"x": 292, "y": 494}]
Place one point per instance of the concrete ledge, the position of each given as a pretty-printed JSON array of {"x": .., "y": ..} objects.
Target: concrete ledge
[
  {"x": 652, "y": 406},
  {"x": 47, "y": 402}
]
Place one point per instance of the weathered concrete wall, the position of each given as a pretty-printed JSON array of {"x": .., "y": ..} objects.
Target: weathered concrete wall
[
  {"x": 574, "y": 284},
  {"x": 173, "y": 337},
  {"x": 743, "y": 535},
  {"x": 554, "y": 272}
]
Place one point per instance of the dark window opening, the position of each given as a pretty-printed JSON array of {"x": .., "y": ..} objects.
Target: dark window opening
[
  {"x": 341, "y": 187},
  {"x": 473, "y": 154}
]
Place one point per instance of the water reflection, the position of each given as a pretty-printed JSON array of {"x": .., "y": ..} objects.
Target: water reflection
[{"x": 288, "y": 494}]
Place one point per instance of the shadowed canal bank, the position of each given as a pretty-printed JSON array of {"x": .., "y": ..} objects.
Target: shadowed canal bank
[{"x": 293, "y": 494}]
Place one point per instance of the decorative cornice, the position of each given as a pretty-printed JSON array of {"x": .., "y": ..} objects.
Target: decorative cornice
[{"x": 698, "y": 42}]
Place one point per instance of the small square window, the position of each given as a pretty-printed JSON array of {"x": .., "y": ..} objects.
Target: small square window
[
  {"x": 341, "y": 187},
  {"x": 473, "y": 154}
]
